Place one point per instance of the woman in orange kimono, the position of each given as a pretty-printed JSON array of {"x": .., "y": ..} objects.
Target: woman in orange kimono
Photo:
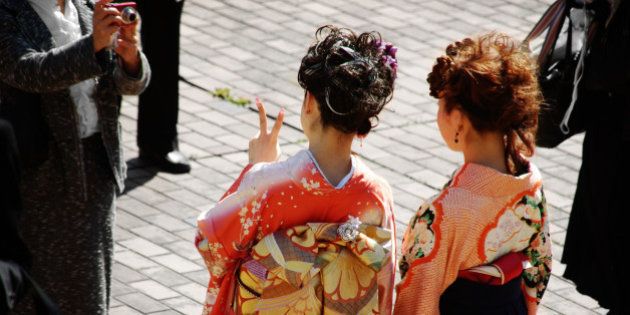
[
  {"x": 493, "y": 210},
  {"x": 276, "y": 242}
]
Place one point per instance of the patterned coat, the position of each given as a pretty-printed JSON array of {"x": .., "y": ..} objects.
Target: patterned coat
[
  {"x": 479, "y": 216},
  {"x": 35, "y": 77}
]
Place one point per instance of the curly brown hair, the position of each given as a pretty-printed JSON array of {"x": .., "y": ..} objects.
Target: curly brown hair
[
  {"x": 345, "y": 72},
  {"x": 493, "y": 80}
]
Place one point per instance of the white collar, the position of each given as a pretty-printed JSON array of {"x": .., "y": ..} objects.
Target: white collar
[{"x": 344, "y": 180}]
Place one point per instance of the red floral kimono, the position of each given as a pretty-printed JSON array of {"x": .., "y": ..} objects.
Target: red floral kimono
[{"x": 268, "y": 197}]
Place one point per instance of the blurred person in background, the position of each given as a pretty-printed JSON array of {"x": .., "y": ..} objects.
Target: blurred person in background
[
  {"x": 597, "y": 239},
  {"x": 158, "y": 105}
]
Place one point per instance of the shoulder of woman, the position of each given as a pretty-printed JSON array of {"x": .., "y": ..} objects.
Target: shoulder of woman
[
  {"x": 371, "y": 178},
  {"x": 264, "y": 175}
]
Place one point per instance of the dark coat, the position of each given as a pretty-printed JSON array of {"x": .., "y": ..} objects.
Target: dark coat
[
  {"x": 597, "y": 238},
  {"x": 35, "y": 77}
]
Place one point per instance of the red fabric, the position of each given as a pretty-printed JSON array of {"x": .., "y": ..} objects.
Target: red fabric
[{"x": 510, "y": 265}]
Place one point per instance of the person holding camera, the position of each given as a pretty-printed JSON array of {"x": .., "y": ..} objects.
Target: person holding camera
[{"x": 63, "y": 67}]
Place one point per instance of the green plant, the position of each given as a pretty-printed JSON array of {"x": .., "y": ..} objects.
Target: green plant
[{"x": 225, "y": 94}]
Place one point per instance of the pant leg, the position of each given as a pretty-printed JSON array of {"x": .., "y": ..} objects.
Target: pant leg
[{"x": 159, "y": 103}]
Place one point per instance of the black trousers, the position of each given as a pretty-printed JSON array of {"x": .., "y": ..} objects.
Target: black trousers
[
  {"x": 159, "y": 104},
  {"x": 467, "y": 297}
]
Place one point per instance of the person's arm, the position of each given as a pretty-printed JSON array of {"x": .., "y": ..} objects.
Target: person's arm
[
  {"x": 132, "y": 83},
  {"x": 132, "y": 71},
  {"x": 226, "y": 232},
  {"x": 535, "y": 278},
  {"x": 25, "y": 68},
  {"x": 425, "y": 265}
]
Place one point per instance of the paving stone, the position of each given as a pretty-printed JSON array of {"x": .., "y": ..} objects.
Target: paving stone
[
  {"x": 143, "y": 247},
  {"x": 154, "y": 289},
  {"x": 165, "y": 276},
  {"x": 155, "y": 234},
  {"x": 125, "y": 274},
  {"x": 177, "y": 263},
  {"x": 185, "y": 305},
  {"x": 122, "y": 310},
  {"x": 133, "y": 260},
  {"x": 194, "y": 291},
  {"x": 168, "y": 222},
  {"x": 141, "y": 302}
]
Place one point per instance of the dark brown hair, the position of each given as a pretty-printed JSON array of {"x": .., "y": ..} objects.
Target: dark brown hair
[
  {"x": 493, "y": 80},
  {"x": 346, "y": 74}
]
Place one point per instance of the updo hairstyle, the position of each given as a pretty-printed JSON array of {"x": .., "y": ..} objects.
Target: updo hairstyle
[
  {"x": 493, "y": 81},
  {"x": 351, "y": 76}
]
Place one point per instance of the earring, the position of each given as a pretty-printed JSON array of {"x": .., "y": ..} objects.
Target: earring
[
  {"x": 360, "y": 138},
  {"x": 456, "y": 137}
]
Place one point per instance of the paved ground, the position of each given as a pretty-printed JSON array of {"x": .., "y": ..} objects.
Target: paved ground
[{"x": 254, "y": 48}]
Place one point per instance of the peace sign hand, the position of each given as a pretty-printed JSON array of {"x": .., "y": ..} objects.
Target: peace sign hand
[{"x": 265, "y": 147}]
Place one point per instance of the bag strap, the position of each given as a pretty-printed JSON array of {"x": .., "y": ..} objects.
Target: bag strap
[
  {"x": 589, "y": 33},
  {"x": 552, "y": 20}
]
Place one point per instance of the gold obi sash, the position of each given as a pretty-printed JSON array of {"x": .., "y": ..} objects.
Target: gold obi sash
[{"x": 321, "y": 268}]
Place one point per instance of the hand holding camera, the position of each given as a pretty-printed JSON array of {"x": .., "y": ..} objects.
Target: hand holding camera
[{"x": 121, "y": 19}]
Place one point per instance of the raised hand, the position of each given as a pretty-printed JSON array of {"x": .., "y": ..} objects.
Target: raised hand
[
  {"x": 105, "y": 23},
  {"x": 127, "y": 47},
  {"x": 265, "y": 147}
]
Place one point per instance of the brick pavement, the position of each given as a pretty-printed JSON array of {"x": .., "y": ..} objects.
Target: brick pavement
[{"x": 254, "y": 48}]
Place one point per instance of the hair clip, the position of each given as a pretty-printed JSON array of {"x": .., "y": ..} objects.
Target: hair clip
[{"x": 327, "y": 92}]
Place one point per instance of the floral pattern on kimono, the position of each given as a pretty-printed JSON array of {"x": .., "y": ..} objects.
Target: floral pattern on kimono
[
  {"x": 477, "y": 218},
  {"x": 268, "y": 197}
]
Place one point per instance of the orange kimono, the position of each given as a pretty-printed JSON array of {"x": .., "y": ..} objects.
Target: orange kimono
[
  {"x": 268, "y": 197},
  {"x": 478, "y": 217}
]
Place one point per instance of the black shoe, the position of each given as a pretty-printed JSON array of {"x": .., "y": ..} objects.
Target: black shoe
[{"x": 172, "y": 162}]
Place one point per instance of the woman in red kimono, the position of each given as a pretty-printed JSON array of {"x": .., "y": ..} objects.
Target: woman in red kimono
[
  {"x": 348, "y": 79},
  {"x": 493, "y": 210}
]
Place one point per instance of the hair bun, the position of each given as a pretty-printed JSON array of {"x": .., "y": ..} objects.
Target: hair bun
[{"x": 345, "y": 72}]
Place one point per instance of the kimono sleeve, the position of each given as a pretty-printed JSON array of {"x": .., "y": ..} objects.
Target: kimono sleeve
[
  {"x": 226, "y": 231},
  {"x": 536, "y": 277},
  {"x": 425, "y": 266}
]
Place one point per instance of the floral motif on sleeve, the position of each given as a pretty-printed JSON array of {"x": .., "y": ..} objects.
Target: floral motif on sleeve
[
  {"x": 215, "y": 257},
  {"x": 536, "y": 277},
  {"x": 419, "y": 240},
  {"x": 228, "y": 230}
]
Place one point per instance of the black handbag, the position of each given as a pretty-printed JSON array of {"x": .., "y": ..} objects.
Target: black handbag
[{"x": 562, "y": 112}]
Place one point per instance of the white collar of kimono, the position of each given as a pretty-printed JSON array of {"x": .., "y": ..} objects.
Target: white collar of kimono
[{"x": 344, "y": 180}]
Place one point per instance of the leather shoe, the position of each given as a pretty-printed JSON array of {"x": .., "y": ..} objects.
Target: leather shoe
[{"x": 173, "y": 162}]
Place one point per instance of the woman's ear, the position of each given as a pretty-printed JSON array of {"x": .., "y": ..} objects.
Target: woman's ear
[
  {"x": 460, "y": 125},
  {"x": 310, "y": 103},
  {"x": 456, "y": 120}
]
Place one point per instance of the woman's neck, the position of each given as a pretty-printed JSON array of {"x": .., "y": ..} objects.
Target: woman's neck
[
  {"x": 332, "y": 151},
  {"x": 486, "y": 149}
]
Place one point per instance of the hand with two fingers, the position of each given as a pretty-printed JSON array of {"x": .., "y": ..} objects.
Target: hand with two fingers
[{"x": 264, "y": 147}]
